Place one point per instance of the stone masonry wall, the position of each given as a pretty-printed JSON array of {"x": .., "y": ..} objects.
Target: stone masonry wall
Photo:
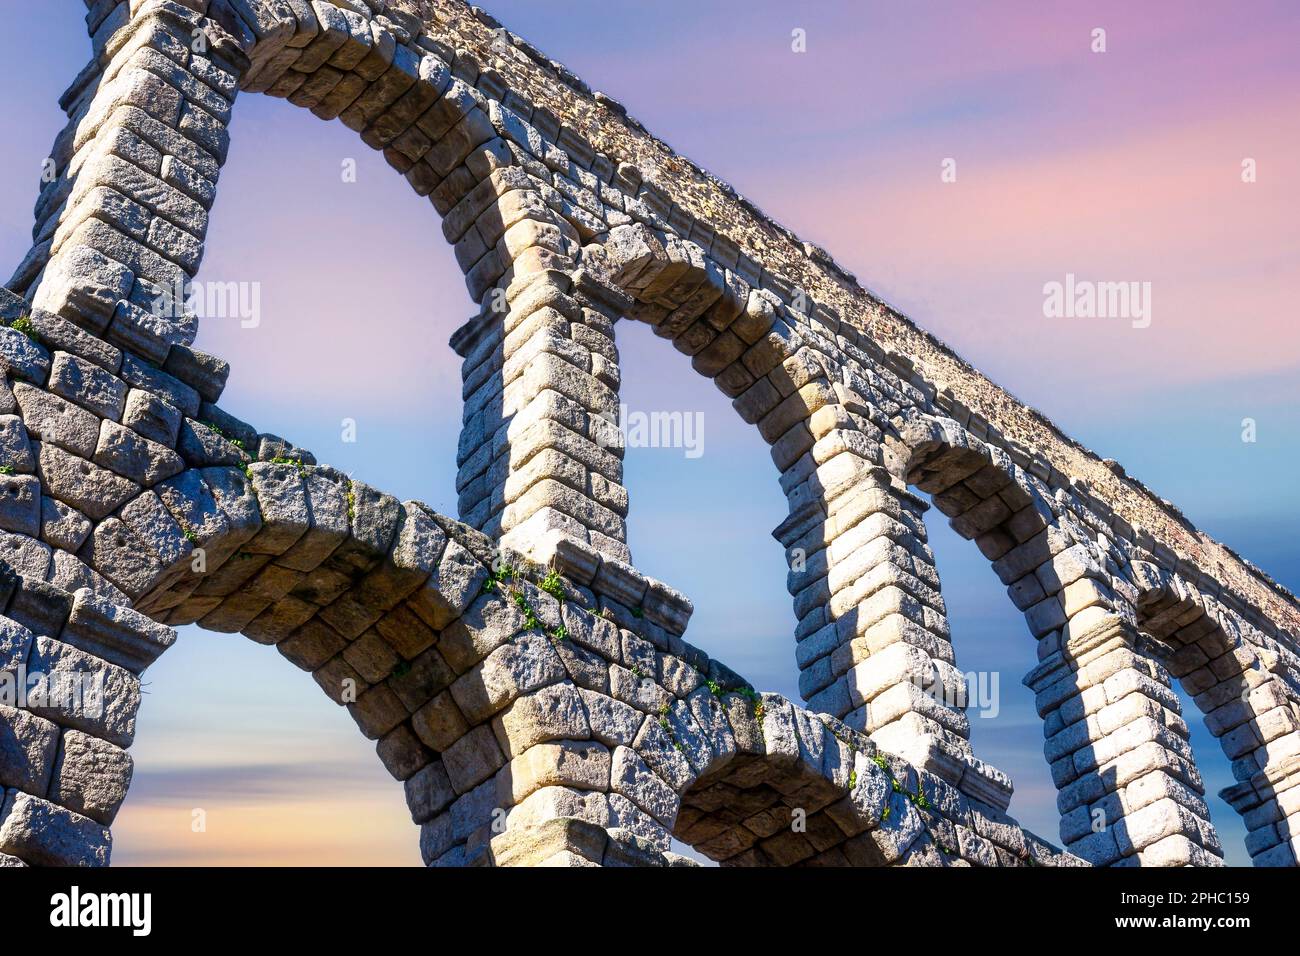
[{"x": 527, "y": 684}]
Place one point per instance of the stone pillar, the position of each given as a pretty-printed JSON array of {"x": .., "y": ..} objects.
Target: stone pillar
[
  {"x": 137, "y": 167},
  {"x": 65, "y": 769},
  {"x": 1269, "y": 803},
  {"x": 874, "y": 645},
  {"x": 105, "y": 380},
  {"x": 1129, "y": 790},
  {"x": 563, "y": 716},
  {"x": 540, "y": 453},
  {"x": 1240, "y": 685}
]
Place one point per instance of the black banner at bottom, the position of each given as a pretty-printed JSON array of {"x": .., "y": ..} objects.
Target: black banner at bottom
[{"x": 346, "y": 906}]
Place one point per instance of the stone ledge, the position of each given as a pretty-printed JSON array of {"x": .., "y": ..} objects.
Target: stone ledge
[
  {"x": 117, "y": 634},
  {"x": 608, "y": 577}
]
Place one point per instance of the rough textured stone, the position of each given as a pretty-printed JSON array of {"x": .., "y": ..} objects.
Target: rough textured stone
[
  {"x": 88, "y": 385},
  {"x": 116, "y": 634},
  {"x": 27, "y": 748},
  {"x": 94, "y": 491},
  {"x": 20, "y": 504},
  {"x": 57, "y": 421},
  {"x": 15, "y": 447},
  {"x": 44, "y": 833},
  {"x": 85, "y": 692},
  {"x": 91, "y": 776},
  {"x": 135, "y": 457},
  {"x": 62, "y": 526}
]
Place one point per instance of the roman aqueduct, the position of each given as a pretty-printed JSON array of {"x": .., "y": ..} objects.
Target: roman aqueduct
[{"x": 527, "y": 685}]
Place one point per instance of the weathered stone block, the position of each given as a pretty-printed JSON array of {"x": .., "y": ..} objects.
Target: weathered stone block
[
  {"x": 15, "y": 447},
  {"x": 428, "y": 792},
  {"x": 22, "y": 358},
  {"x": 116, "y": 634},
  {"x": 551, "y": 713},
  {"x": 401, "y": 752},
  {"x": 20, "y": 504},
  {"x": 44, "y": 834},
  {"x": 27, "y": 749},
  {"x": 88, "y": 385},
  {"x": 92, "y": 490},
  {"x": 57, "y": 421},
  {"x": 472, "y": 759},
  {"x": 84, "y": 692},
  {"x": 135, "y": 457},
  {"x": 630, "y": 776},
  {"x": 91, "y": 776}
]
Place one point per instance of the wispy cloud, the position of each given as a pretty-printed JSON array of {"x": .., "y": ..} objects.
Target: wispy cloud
[{"x": 303, "y": 813}]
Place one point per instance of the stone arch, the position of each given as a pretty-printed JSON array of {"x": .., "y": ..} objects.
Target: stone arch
[
  {"x": 866, "y": 590},
  {"x": 186, "y": 512},
  {"x": 1105, "y": 610},
  {"x": 145, "y": 143},
  {"x": 513, "y": 204},
  {"x": 804, "y": 789},
  {"x": 1240, "y": 677},
  {"x": 844, "y": 421},
  {"x": 1115, "y": 739},
  {"x": 347, "y": 583},
  {"x": 729, "y": 772}
]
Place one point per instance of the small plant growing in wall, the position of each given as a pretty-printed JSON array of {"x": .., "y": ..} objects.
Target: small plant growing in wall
[
  {"x": 553, "y": 584},
  {"x": 667, "y": 727},
  {"x": 237, "y": 442},
  {"x": 296, "y": 462},
  {"x": 25, "y": 325},
  {"x": 499, "y": 576},
  {"x": 530, "y": 618},
  {"x": 919, "y": 798}
]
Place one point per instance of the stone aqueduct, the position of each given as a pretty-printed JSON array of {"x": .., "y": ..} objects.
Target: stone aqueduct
[{"x": 560, "y": 718}]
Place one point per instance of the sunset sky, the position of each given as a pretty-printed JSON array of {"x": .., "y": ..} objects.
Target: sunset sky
[{"x": 1116, "y": 166}]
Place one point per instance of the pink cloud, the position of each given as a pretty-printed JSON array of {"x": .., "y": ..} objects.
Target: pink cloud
[{"x": 968, "y": 260}]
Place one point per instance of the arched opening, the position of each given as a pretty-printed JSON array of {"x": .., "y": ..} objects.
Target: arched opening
[
  {"x": 227, "y": 727},
  {"x": 702, "y": 501},
  {"x": 995, "y": 653},
  {"x": 139, "y": 569},
  {"x": 1233, "y": 674},
  {"x": 701, "y": 515},
  {"x": 1115, "y": 631}
]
